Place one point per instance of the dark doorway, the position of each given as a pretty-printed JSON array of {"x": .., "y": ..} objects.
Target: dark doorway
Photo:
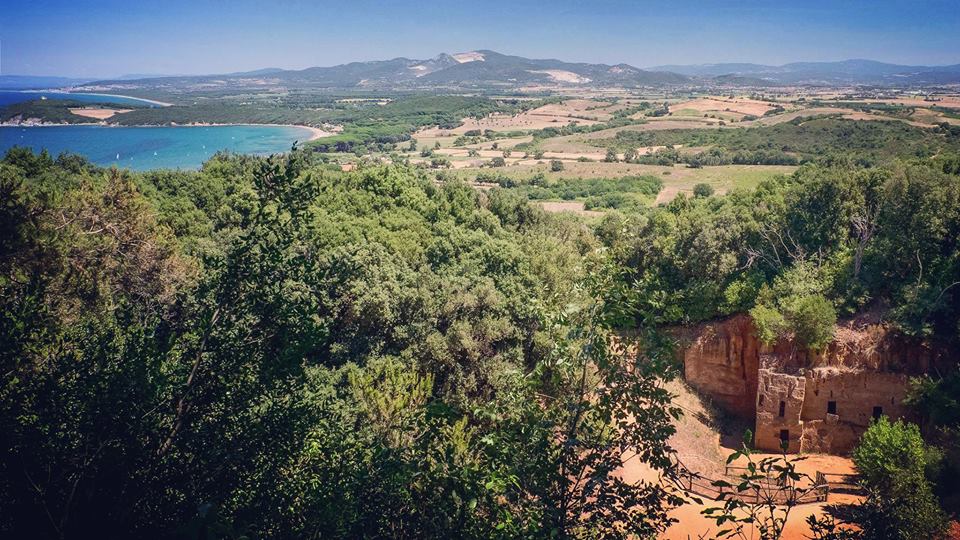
[
  {"x": 783, "y": 408},
  {"x": 761, "y": 400},
  {"x": 784, "y": 435},
  {"x": 831, "y": 407},
  {"x": 877, "y": 412}
]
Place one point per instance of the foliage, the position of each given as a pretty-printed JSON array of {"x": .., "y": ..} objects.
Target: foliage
[
  {"x": 936, "y": 398},
  {"x": 760, "y": 499},
  {"x": 54, "y": 111},
  {"x": 788, "y": 143},
  {"x": 891, "y": 459},
  {"x": 624, "y": 192},
  {"x": 804, "y": 250},
  {"x": 265, "y": 348},
  {"x": 702, "y": 190}
]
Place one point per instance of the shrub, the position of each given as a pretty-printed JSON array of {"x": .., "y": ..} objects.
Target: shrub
[
  {"x": 702, "y": 190},
  {"x": 891, "y": 459},
  {"x": 812, "y": 319}
]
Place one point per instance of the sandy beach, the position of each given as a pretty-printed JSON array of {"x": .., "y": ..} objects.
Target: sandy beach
[
  {"x": 61, "y": 91},
  {"x": 315, "y": 133}
]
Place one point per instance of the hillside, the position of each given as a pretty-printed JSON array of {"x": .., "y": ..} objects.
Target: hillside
[
  {"x": 856, "y": 71},
  {"x": 483, "y": 68}
]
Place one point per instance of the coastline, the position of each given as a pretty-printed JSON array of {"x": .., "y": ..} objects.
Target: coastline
[
  {"x": 315, "y": 133},
  {"x": 49, "y": 91},
  {"x": 153, "y": 101}
]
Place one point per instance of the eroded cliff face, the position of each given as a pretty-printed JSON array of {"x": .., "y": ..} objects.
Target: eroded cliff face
[
  {"x": 818, "y": 402},
  {"x": 721, "y": 360}
]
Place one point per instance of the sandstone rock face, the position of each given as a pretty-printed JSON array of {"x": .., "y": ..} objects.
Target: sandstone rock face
[
  {"x": 816, "y": 402},
  {"x": 721, "y": 360}
]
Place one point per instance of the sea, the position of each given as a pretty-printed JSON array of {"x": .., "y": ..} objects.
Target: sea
[
  {"x": 143, "y": 148},
  {"x": 8, "y": 97}
]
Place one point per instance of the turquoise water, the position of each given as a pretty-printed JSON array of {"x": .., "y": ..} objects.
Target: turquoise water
[
  {"x": 141, "y": 148},
  {"x": 9, "y": 97}
]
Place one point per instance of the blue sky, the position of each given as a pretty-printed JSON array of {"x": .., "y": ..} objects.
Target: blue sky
[{"x": 113, "y": 37}]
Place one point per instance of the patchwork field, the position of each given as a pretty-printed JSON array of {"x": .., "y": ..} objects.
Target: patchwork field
[
  {"x": 737, "y": 106},
  {"x": 581, "y": 111},
  {"x": 676, "y": 179}
]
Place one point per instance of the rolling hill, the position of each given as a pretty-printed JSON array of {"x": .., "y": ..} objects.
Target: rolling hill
[
  {"x": 844, "y": 72},
  {"x": 481, "y": 68},
  {"x": 490, "y": 70}
]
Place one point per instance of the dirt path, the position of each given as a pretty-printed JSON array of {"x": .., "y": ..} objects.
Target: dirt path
[{"x": 698, "y": 444}]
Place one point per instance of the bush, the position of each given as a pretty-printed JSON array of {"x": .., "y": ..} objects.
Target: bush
[
  {"x": 702, "y": 190},
  {"x": 812, "y": 319},
  {"x": 891, "y": 459},
  {"x": 556, "y": 165}
]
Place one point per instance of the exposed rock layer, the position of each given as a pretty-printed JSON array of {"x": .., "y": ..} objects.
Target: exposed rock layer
[{"x": 818, "y": 402}]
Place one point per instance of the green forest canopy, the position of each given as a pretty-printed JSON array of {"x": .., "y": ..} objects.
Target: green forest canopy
[{"x": 269, "y": 348}]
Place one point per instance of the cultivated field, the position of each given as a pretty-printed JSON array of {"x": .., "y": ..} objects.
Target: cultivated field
[{"x": 736, "y": 107}]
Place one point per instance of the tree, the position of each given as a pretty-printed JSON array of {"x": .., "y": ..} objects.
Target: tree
[
  {"x": 611, "y": 156},
  {"x": 891, "y": 460},
  {"x": 556, "y": 165},
  {"x": 812, "y": 318},
  {"x": 937, "y": 400},
  {"x": 498, "y": 162},
  {"x": 702, "y": 190}
]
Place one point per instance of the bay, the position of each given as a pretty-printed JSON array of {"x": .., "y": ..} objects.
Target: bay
[{"x": 142, "y": 148}]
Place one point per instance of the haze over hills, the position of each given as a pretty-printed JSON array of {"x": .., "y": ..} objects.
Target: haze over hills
[
  {"x": 474, "y": 68},
  {"x": 490, "y": 69},
  {"x": 26, "y": 82},
  {"x": 857, "y": 71}
]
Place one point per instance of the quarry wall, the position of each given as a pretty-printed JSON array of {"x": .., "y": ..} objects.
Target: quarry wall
[{"x": 812, "y": 402}]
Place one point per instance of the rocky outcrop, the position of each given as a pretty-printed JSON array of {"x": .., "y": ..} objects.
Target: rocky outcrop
[
  {"x": 721, "y": 360},
  {"x": 815, "y": 401}
]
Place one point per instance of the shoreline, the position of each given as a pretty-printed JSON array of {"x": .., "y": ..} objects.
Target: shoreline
[
  {"x": 315, "y": 133},
  {"x": 146, "y": 100},
  {"x": 153, "y": 101}
]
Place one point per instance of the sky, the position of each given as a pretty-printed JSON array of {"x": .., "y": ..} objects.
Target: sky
[{"x": 109, "y": 38}]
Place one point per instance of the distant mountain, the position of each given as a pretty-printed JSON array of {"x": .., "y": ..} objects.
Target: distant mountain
[
  {"x": 484, "y": 66},
  {"x": 844, "y": 72},
  {"x": 33, "y": 82},
  {"x": 490, "y": 70},
  {"x": 481, "y": 68}
]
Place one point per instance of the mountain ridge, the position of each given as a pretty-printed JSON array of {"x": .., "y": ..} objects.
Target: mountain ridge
[{"x": 484, "y": 68}]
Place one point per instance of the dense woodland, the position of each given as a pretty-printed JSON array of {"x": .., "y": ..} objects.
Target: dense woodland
[
  {"x": 800, "y": 140},
  {"x": 265, "y": 348},
  {"x": 270, "y": 348}
]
